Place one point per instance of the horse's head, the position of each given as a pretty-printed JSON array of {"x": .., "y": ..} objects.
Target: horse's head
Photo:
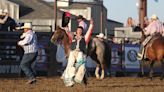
[{"x": 58, "y": 35}]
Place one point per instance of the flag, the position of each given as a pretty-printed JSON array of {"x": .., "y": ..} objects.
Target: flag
[{"x": 65, "y": 19}]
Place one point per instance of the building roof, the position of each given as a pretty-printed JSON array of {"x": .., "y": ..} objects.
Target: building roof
[
  {"x": 34, "y": 9},
  {"x": 81, "y": 5},
  {"x": 109, "y": 20}
]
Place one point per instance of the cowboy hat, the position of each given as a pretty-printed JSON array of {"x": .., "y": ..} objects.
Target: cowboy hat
[
  {"x": 1, "y": 11},
  {"x": 27, "y": 25},
  {"x": 154, "y": 16},
  {"x": 5, "y": 11},
  {"x": 101, "y": 35}
]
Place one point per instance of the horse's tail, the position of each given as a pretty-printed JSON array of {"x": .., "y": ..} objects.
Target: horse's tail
[
  {"x": 88, "y": 47},
  {"x": 107, "y": 56}
]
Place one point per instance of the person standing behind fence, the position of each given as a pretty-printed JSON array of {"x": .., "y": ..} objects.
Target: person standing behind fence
[
  {"x": 29, "y": 44},
  {"x": 10, "y": 23},
  {"x": 81, "y": 22},
  {"x": 146, "y": 22},
  {"x": 2, "y": 19},
  {"x": 130, "y": 22}
]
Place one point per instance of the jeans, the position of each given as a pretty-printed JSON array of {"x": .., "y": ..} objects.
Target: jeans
[{"x": 26, "y": 62}]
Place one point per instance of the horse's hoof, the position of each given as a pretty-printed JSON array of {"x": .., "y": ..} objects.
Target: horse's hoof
[
  {"x": 62, "y": 77},
  {"x": 97, "y": 77},
  {"x": 151, "y": 78},
  {"x": 102, "y": 78}
]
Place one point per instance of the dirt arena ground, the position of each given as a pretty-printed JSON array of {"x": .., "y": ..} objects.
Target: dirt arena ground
[{"x": 55, "y": 84}]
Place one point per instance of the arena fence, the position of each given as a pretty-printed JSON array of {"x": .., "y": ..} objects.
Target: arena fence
[
  {"x": 123, "y": 60},
  {"x": 11, "y": 54}
]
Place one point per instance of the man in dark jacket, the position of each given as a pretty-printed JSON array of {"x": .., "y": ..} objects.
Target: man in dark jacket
[{"x": 9, "y": 24}]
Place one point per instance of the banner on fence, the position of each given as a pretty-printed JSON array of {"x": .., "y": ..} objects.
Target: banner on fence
[
  {"x": 116, "y": 54},
  {"x": 131, "y": 56},
  {"x": 9, "y": 69}
]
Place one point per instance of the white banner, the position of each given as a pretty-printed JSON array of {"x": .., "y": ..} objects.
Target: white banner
[{"x": 131, "y": 57}]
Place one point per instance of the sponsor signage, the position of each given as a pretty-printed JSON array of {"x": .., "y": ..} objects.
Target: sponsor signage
[
  {"x": 9, "y": 68},
  {"x": 116, "y": 54},
  {"x": 131, "y": 56}
]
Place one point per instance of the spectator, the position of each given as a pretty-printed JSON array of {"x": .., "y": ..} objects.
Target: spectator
[
  {"x": 81, "y": 22},
  {"x": 10, "y": 23},
  {"x": 3, "y": 19},
  {"x": 130, "y": 22},
  {"x": 146, "y": 22}
]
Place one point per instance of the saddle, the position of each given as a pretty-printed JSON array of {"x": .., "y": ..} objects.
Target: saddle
[{"x": 148, "y": 43}]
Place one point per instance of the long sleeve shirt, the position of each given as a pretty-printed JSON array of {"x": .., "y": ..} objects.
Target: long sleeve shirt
[
  {"x": 87, "y": 36},
  {"x": 84, "y": 25},
  {"x": 29, "y": 43},
  {"x": 154, "y": 27},
  {"x": 2, "y": 21},
  {"x": 88, "y": 33},
  {"x": 80, "y": 42}
]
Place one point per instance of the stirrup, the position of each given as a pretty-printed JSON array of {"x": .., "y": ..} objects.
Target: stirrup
[{"x": 139, "y": 56}]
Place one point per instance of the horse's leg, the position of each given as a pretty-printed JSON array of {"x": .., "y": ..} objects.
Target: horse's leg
[
  {"x": 142, "y": 67},
  {"x": 102, "y": 71},
  {"x": 97, "y": 71},
  {"x": 151, "y": 70},
  {"x": 162, "y": 68}
]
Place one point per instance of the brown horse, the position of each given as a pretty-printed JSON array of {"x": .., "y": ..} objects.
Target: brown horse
[
  {"x": 154, "y": 52},
  {"x": 60, "y": 35},
  {"x": 98, "y": 56}
]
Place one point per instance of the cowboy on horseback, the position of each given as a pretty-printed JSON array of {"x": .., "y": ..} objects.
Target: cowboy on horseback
[{"x": 155, "y": 27}]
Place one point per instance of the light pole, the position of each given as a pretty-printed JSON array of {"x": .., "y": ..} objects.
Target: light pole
[
  {"x": 142, "y": 12},
  {"x": 101, "y": 20},
  {"x": 55, "y": 13},
  {"x": 138, "y": 10}
]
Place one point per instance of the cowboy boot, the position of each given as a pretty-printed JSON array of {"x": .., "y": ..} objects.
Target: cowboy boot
[
  {"x": 140, "y": 53},
  {"x": 31, "y": 81}
]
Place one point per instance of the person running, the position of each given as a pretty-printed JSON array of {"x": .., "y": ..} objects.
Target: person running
[{"x": 29, "y": 44}]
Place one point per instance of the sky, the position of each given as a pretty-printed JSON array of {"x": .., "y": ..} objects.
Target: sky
[{"x": 120, "y": 10}]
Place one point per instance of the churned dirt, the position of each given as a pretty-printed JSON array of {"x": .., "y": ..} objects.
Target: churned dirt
[{"x": 55, "y": 84}]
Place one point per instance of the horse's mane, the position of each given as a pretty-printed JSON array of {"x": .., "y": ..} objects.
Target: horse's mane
[{"x": 63, "y": 30}]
